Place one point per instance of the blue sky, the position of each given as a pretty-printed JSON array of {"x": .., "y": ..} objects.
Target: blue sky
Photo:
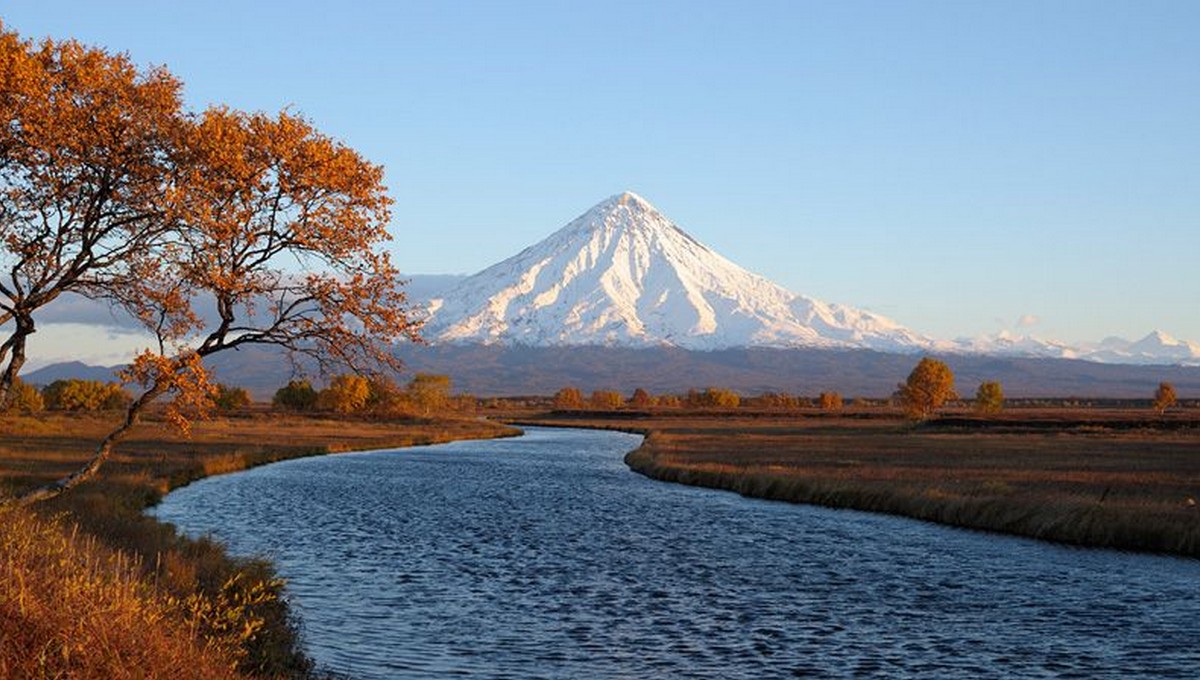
[{"x": 958, "y": 166}]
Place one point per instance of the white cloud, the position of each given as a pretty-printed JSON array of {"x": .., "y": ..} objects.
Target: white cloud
[
  {"x": 92, "y": 344},
  {"x": 1028, "y": 320}
]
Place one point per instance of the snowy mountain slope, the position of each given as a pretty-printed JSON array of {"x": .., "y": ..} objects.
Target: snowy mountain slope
[
  {"x": 1155, "y": 348},
  {"x": 622, "y": 274}
]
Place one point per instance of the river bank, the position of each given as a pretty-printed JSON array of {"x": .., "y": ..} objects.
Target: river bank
[
  {"x": 543, "y": 556},
  {"x": 216, "y": 597},
  {"x": 1105, "y": 478}
]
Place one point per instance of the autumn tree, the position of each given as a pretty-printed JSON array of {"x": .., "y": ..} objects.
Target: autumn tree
[
  {"x": 347, "y": 393},
  {"x": 830, "y": 401},
  {"x": 73, "y": 394},
  {"x": 989, "y": 398},
  {"x": 25, "y": 398},
  {"x": 568, "y": 398},
  {"x": 929, "y": 386},
  {"x": 429, "y": 392},
  {"x": 280, "y": 230},
  {"x": 606, "y": 400},
  {"x": 668, "y": 401},
  {"x": 641, "y": 399},
  {"x": 297, "y": 395},
  {"x": 228, "y": 398},
  {"x": 780, "y": 400},
  {"x": 385, "y": 398},
  {"x": 86, "y": 159},
  {"x": 713, "y": 397},
  {"x": 1164, "y": 397}
]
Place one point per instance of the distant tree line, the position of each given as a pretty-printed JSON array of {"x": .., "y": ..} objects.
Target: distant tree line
[
  {"x": 927, "y": 390},
  {"x": 425, "y": 395}
]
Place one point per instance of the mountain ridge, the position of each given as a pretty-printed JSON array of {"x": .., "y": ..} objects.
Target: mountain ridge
[{"x": 622, "y": 274}]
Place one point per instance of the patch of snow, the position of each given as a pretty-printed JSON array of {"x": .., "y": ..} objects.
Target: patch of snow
[{"x": 623, "y": 274}]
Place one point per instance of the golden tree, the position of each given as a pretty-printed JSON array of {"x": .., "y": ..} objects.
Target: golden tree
[
  {"x": 429, "y": 392},
  {"x": 606, "y": 400},
  {"x": 280, "y": 230},
  {"x": 86, "y": 150},
  {"x": 830, "y": 401},
  {"x": 641, "y": 399},
  {"x": 989, "y": 397},
  {"x": 1164, "y": 397},
  {"x": 713, "y": 397},
  {"x": 928, "y": 387},
  {"x": 568, "y": 398},
  {"x": 347, "y": 393}
]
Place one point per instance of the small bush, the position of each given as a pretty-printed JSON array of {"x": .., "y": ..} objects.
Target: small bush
[
  {"x": 25, "y": 398},
  {"x": 297, "y": 395},
  {"x": 84, "y": 395},
  {"x": 230, "y": 398}
]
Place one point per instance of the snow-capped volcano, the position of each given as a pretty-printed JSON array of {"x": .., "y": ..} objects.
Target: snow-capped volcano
[{"x": 622, "y": 274}]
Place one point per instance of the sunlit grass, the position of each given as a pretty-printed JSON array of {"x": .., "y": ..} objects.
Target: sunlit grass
[
  {"x": 218, "y": 607},
  {"x": 72, "y": 608},
  {"x": 1117, "y": 479}
]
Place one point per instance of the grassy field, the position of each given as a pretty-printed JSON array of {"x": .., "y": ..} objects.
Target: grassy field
[
  {"x": 91, "y": 588},
  {"x": 1112, "y": 478}
]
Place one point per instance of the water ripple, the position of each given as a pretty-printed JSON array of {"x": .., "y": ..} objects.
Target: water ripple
[{"x": 544, "y": 557}]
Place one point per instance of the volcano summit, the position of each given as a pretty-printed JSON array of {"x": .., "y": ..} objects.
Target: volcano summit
[{"x": 624, "y": 275}]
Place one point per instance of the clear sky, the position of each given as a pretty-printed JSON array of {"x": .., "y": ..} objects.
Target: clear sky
[{"x": 963, "y": 167}]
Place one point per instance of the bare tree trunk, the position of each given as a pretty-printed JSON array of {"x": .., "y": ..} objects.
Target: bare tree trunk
[
  {"x": 15, "y": 344},
  {"x": 103, "y": 452}
]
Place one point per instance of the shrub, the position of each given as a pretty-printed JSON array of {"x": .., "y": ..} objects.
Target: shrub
[
  {"x": 230, "y": 398},
  {"x": 297, "y": 395},
  {"x": 84, "y": 395},
  {"x": 25, "y": 398}
]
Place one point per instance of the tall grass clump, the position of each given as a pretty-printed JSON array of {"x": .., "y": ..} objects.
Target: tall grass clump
[{"x": 70, "y": 608}]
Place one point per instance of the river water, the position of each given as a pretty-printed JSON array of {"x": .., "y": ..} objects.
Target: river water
[{"x": 544, "y": 556}]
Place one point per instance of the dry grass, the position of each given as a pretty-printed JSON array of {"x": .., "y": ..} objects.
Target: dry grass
[
  {"x": 70, "y": 608},
  {"x": 1117, "y": 479},
  {"x": 228, "y": 606}
]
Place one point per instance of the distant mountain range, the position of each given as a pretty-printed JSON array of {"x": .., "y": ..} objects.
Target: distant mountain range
[
  {"x": 623, "y": 275},
  {"x": 622, "y": 297}
]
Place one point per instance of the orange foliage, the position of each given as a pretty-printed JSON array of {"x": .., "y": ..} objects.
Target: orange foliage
[
  {"x": 85, "y": 156},
  {"x": 164, "y": 211}
]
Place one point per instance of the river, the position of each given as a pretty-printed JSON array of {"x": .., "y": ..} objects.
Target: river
[{"x": 544, "y": 556}]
